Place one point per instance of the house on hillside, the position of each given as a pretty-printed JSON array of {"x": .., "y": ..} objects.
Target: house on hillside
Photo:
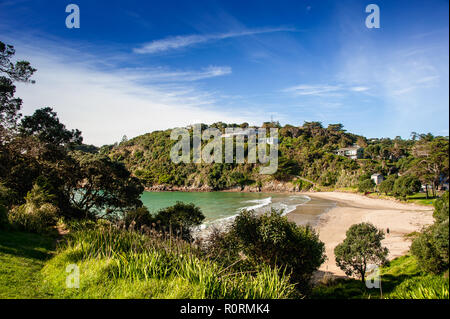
[
  {"x": 377, "y": 178},
  {"x": 353, "y": 152}
]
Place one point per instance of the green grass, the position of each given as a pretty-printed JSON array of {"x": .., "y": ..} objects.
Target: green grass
[
  {"x": 22, "y": 256},
  {"x": 121, "y": 264},
  {"x": 402, "y": 279},
  {"x": 420, "y": 198}
]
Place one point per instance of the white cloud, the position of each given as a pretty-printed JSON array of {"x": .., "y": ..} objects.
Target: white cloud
[
  {"x": 106, "y": 104},
  {"x": 323, "y": 89},
  {"x": 181, "y": 41},
  {"x": 359, "y": 88},
  {"x": 161, "y": 74}
]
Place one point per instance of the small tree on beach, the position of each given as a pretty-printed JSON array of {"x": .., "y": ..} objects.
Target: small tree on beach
[
  {"x": 366, "y": 185},
  {"x": 361, "y": 247}
]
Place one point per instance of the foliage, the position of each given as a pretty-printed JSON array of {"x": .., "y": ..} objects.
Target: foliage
[
  {"x": 45, "y": 125},
  {"x": 387, "y": 186},
  {"x": 401, "y": 279},
  {"x": 366, "y": 185},
  {"x": 406, "y": 185},
  {"x": 426, "y": 287},
  {"x": 180, "y": 219},
  {"x": 104, "y": 187},
  {"x": 361, "y": 247},
  {"x": 116, "y": 263},
  {"x": 10, "y": 72},
  {"x": 139, "y": 218},
  {"x": 177, "y": 220},
  {"x": 273, "y": 240},
  {"x": 431, "y": 247},
  {"x": 38, "y": 214}
]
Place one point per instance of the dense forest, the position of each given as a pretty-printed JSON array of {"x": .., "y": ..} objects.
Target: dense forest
[{"x": 306, "y": 157}]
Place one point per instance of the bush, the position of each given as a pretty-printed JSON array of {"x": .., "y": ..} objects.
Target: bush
[
  {"x": 441, "y": 208},
  {"x": 387, "y": 186},
  {"x": 427, "y": 287},
  {"x": 431, "y": 247},
  {"x": 179, "y": 219},
  {"x": 366, "y": 185},
  {"x": 32, "y": 219},
  {"x": 361, "y": 247},
  {"x": 140, "y": 216},
  {"x": 37, "y": 215},
  {"x": 118, "y": 263},
  {"x": 406, "y": 185},
  {"x": 272, "y": 239}
]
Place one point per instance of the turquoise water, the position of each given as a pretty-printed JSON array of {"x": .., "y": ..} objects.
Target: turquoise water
[{"x": 221, "y": 205}]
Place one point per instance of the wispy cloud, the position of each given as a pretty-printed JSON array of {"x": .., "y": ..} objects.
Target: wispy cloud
[
  {"x": 323, "y": 89},
  {"x": 162, "y": 74},
  {"x": 130, "y": 101},
  {"x": 182, "y": 41}
]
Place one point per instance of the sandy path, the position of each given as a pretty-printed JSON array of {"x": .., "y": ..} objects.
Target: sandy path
[{"x": 401, "y": 219}]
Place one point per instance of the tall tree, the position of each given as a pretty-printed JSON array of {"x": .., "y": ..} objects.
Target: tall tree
[
  {"x": 45, "y": 125},
  {"x": 10, "y": 72}
]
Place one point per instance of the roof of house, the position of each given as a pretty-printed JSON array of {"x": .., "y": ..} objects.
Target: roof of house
[{"x": 350, "y": 148}]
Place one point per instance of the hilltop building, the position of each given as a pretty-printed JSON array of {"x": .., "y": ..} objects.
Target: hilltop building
[{"x": 354, "y": 152}]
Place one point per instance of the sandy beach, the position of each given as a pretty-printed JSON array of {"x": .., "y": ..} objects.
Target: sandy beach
[{"x": 349, "y": 209}]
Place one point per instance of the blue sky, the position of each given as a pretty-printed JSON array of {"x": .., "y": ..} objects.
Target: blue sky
[{"x": 139, "y": 66}]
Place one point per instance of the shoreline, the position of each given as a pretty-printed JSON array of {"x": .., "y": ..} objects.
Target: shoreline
[{"x": 400, "y": 218}]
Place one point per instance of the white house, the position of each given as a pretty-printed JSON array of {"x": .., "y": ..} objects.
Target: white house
[
  {"x": 377, "y": 178},
  {"x": 353, "y": 152}
]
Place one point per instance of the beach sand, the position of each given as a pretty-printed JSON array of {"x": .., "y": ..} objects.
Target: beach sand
[{"x": 346, "y": 209}]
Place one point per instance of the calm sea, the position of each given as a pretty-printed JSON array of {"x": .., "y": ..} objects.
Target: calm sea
[{"x": 223, "y": 205}]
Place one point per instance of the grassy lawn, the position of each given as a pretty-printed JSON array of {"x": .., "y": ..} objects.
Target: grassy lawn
[
  {"x": 418, "y": 198},
  {"x": 22, "y": 256},
  {"x": 401, "y": 279}
]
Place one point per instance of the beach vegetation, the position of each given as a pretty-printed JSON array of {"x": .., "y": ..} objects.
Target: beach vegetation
[
  {"x": 272, "y": 240},
  {"x": 431, "y": 246},
  {"x": 360, "y": 248}
]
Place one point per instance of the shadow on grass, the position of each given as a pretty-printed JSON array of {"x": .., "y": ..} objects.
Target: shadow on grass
[{"x": 26, "y": 245}]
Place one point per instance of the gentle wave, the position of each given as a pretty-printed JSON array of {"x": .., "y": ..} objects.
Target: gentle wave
[{"x": 259, "y": 203}]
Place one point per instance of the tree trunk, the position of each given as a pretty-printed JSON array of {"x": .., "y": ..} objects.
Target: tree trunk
[{"x": 426, "y": 190}]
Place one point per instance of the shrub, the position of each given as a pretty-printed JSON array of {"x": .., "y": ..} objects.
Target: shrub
[
  {"x": 441, "y": 208},
  {"x": 115, "y": 263},
  {"x": 361, "y": 247},
  {"x": 431, "y": 247},
  {"x": 387, "y": 186},
  {"x": 427, "y": 287},
  {"x": 32, "y": 219},
  {"x": 37, "y": 214},
  {"x": 406, "y": 185},
  {"x": 140, "y": 216},
  {"x": 272, "y": 239},
  {"x": 366, "y": 185},
  {"x": 180, "y": 219}
]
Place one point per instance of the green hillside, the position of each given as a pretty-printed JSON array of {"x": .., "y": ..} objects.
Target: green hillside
[{"x": 306, "y": 151}]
